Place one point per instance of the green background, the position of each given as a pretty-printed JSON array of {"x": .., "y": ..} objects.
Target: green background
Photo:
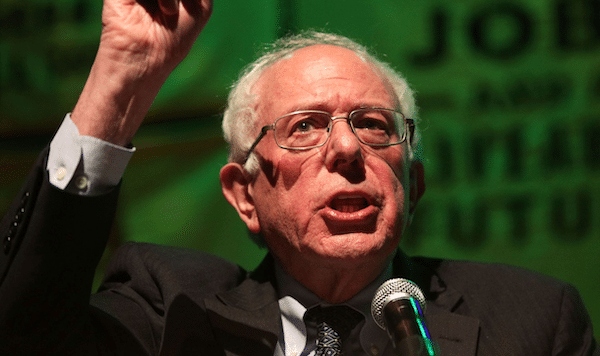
[{"x": 509, "y": 93}]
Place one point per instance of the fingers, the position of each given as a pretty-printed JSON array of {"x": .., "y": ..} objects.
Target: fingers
[
  {"x": 169, "y": 7},
  {"x": 203, "y": 8}
]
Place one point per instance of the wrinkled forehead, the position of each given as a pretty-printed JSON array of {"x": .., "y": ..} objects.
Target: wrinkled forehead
[{"x": 312, "y": 66}]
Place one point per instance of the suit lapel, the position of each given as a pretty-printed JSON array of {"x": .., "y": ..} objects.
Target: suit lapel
[
  {"x": 453, "y": 334},
  {"x": 246, "y": 320}
]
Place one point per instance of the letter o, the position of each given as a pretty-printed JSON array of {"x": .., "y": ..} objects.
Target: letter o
[{"x": 481, "y": 27}]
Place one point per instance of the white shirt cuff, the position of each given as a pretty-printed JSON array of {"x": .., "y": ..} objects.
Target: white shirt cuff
[{"x": 85, "y": 165}]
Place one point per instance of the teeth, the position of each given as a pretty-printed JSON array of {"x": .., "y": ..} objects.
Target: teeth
[{"x": 348, "y": 204}]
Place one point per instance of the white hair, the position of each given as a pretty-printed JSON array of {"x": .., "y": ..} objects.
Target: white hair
[{"x": 240, "y": 118}]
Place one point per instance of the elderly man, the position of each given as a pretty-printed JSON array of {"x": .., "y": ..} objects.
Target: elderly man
[{"x": 323, "y": 170}]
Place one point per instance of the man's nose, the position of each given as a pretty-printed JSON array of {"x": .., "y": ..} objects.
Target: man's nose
[{"x": 343, "y": 149}]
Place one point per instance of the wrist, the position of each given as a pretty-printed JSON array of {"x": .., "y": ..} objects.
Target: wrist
[{"x": 115, "y": 99}]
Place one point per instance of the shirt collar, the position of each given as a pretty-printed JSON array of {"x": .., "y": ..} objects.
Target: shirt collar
[{"x": 295, "y": 299}]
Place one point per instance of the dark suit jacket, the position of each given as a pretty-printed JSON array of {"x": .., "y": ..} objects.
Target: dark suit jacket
[{"x": 172, "y": 301}]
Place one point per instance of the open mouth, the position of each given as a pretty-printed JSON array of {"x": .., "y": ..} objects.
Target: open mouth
[{"x": 349, "y": 204}]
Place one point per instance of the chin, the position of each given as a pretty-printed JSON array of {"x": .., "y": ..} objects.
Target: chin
[{"x": 355, "y": 247}]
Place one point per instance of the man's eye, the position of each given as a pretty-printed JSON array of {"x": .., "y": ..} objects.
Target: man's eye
[
  {"x": 304, "y": 125},
  {"x": 308, "y": 123},
  {"x": 372, "y": 124}
]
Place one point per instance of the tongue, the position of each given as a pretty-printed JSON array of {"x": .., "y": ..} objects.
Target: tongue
[{"x": 349, "y": 205}]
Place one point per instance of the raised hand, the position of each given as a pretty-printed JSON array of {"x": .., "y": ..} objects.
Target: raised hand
[
  {"x": 151, "y": 35},
  {"x": 142, "y": 41}
]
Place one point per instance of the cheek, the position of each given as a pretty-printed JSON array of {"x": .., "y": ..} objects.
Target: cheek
[
  {"x": 285, "y": 190},
  {"x": 292, "y": 165},
  {"x": 391, "y": 164},
  {"x": 391, "y": 174},
  {"x": 397, "y": 162}
]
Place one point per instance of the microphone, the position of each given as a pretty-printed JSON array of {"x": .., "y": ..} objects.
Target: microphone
[{"x": 398, "y": 307}]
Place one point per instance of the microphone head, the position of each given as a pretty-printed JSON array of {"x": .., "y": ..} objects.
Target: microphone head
[{"x": 394, "y": 289}]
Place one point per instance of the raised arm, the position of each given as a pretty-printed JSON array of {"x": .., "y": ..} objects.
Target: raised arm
[
  {"x": 53, "y": 239},
  {"x": 142, "y": 42}
]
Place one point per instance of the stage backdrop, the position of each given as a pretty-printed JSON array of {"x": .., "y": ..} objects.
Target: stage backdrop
[{"x": 509, "y": 96}]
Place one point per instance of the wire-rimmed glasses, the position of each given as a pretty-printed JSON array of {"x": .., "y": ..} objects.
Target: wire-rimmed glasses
[{"x": 306, "y": 129}]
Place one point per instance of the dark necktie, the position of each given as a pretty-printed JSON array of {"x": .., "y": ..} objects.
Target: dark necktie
[{"x": 334, "y": 324}]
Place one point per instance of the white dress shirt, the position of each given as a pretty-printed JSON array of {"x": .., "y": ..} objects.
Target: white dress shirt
[
  {"x": 84, "y": 165},
  {"x": 294, "y": 300}
]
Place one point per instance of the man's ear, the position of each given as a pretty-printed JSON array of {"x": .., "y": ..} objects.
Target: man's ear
[
  {"x": 236, "y": 184},
  {"x": 417, "y": 185}
]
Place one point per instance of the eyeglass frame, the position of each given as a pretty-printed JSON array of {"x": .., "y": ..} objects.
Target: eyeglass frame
[{"x": 410, "y": 123}]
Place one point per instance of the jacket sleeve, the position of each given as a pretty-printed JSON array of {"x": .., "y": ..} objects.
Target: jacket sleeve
[
  {"x": 51, "y": 244},
  {"x": 574, "y": 333}
]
